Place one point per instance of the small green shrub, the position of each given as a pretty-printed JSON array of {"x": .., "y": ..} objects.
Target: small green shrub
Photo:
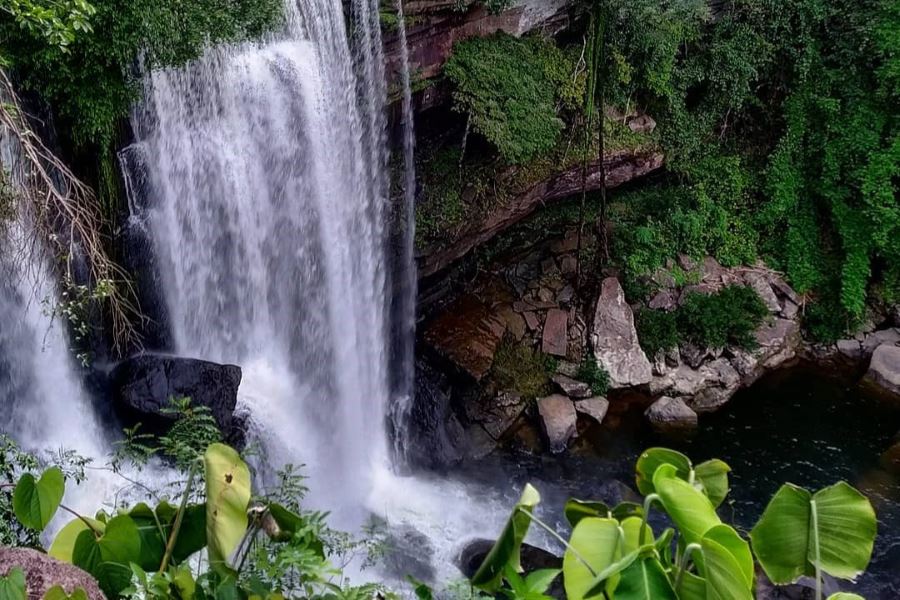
[
  {"x": 523, "y": 369},
  {"x": 510, "y": 88},
  {"x": 594, "y": 375},
  {"x": 728, "y": 317},
  {"x": 657, "y": 330}
]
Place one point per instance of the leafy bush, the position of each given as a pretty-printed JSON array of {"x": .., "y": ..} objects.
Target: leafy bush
[
  {"x": 510, "y": 88},
  {"x": 522, "y": 369},
  {"x": 728, "y": 317},
  {"x": 614, "y": 553},
  {"x": 657, "y": 330},
  {"x": 592, "y": 373}
]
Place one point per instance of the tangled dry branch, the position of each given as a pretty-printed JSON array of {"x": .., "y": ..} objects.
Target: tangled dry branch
[{"x": 63, "y": 217}]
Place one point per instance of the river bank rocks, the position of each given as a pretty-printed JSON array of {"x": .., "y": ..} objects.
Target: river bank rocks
[
  {"x": 884, "y": 370},
  {"x": 531, "y": 301}
]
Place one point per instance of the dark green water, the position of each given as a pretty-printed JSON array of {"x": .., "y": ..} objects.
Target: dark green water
[{"x": 795, "y": 426}]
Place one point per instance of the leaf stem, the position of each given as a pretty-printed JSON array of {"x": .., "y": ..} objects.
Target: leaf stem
[
  {"x": 84, "y": 519},
  {"x": 648, "y": 502},
  {"x": 176, "y": 527},
  {"x": 682, "y": 564},
  {"x": 815, "y": 531}
]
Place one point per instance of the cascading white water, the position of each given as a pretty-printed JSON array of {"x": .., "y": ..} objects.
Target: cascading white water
[
  {"x": 406, "y": 286},
  {"x": 264, "y": 187},
  {"x": 266, "y": 167}
]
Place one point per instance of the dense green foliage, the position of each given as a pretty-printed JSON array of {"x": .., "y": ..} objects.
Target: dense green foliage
[
  {"x": 725, "y": 318},
  {"x": 778, "y": 121},
  {"x": 510, "y": 88},
  {"x": 812, "y": 81},
  {"x": 614, "y": 553},
  {"x": 90, "y": 81}
]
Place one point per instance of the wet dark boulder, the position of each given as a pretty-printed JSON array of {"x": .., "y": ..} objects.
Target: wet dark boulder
[{"x": 142, "y": 386}]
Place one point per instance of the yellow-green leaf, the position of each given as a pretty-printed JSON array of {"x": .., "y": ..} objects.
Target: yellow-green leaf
[{"x": 227, "y": 498}]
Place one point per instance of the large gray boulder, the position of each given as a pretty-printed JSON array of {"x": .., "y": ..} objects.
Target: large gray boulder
[
  {"x": 884, "y": 370},
  {"x": 615, "y": 339},
  {"x": 559, "y": 419},
  {"x": 143, "y": 385},
  {"x": 43, "y": 572},
  {"x": 669, "y": 415}
]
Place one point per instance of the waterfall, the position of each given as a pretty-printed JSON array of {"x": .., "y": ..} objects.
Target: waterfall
[
  {"x": 406, "y": 285},
  {"x": 266, "y": 192}
]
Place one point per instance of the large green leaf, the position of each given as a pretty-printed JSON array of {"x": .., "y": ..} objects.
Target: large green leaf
[
  {"x": 12, "y": 586},
  {"x": 835, "y": 528},
  {"x": 725, "y": 578},
  {"x": 35, "y": 500},
  {"x": 227, "y": 498},
  {"x": 506, "y": 550},
  {"x": 845, "y": 596},
  {"x": 645, "y": 579},
  {"x": 538, "y": 582},
  {"x": 595, "y": 541},
  {"x": 738, "y": 547},
  {"x": 651, "y": 459},
  {"x": 846, "y": 530},
  {"x": 713, "y": 476},
  {"x": 781, "y": 537},
  {"x": 120, "y": 543},
  {"x": 689, "y": 508},
  {"x": 575, "y": 510},
  {"x": 151, "y": 533},
  {"x": 64, "y": 543}
]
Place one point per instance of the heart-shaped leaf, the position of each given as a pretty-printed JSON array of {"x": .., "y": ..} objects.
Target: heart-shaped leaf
[
  {"x": 12, "y": 586},
  {"x": 63, "y": 544},
  {"x": 834, "y": 528},
  {"x": 58, "y": 593},
  {"x": 35, "y": 501}
]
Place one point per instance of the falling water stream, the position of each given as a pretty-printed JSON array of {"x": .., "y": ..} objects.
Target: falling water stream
[{"x": 267, "y": 202}]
